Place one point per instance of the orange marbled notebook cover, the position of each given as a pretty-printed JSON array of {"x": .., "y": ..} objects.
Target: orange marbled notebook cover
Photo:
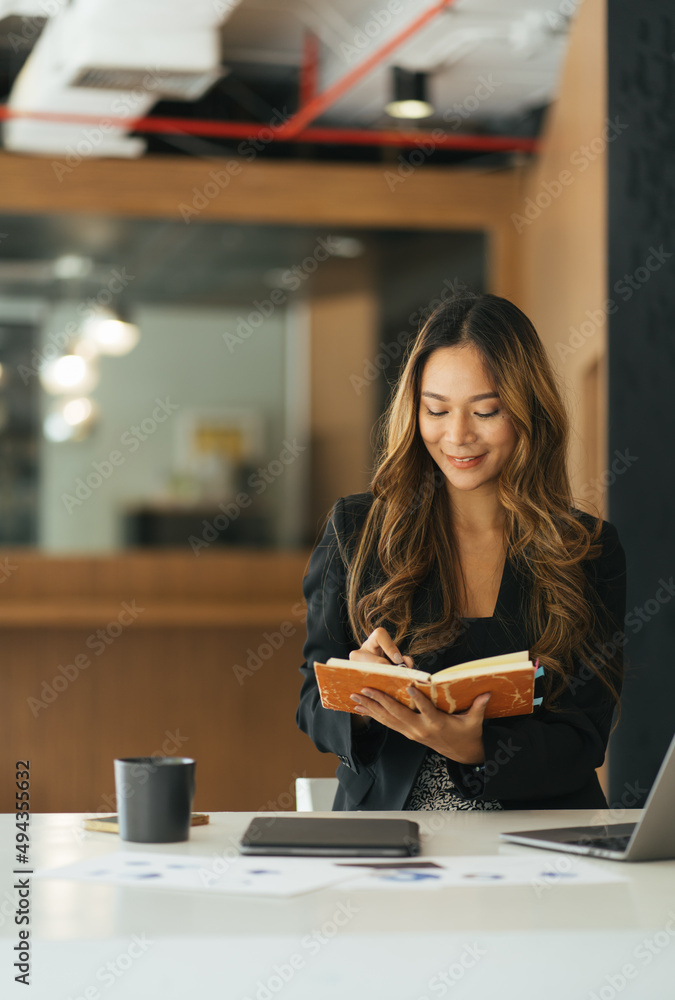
[{"x": 510, "y": 678}]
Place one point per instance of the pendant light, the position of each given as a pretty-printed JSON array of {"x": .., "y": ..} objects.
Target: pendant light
[{"x": 410, "y": 95}]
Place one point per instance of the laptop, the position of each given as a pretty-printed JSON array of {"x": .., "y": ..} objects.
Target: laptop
[{"x": 652, "y": 838}]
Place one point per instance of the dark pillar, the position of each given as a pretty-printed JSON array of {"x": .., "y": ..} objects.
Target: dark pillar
[{"x": 641, "y": 47}]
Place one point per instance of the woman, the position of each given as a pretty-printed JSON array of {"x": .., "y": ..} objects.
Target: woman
[{"x": 468, "y": 545}]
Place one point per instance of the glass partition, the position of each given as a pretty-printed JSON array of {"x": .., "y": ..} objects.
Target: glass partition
[{"x": 156, "y": 381}]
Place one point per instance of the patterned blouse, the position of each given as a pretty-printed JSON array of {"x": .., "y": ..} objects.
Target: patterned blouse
[{"x": 433, "y": 789}]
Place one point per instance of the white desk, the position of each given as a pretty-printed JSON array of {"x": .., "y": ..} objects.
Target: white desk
[{"x": 558, "y": 942}]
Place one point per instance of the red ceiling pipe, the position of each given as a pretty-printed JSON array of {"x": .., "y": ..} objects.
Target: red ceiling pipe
[
  {"x": 309, "y": 70},
  {"x": 329, "y": 96},
  {"x": 267, "y": 134},
  {"x": 185, "y": 126}
]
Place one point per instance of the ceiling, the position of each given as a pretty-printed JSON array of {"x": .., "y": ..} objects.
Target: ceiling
[
  {"x": 516, "y": 41},
  {"x": 493, "y": 66}
]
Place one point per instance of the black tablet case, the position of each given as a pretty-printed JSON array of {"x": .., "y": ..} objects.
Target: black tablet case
[{"x": 331, "y": 837}]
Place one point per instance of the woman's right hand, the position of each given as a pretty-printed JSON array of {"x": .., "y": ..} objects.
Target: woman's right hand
[{"x": 379, "y": 647}]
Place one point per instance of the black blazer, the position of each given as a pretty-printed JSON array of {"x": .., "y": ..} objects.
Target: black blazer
[{"x": 542, "y": 761}]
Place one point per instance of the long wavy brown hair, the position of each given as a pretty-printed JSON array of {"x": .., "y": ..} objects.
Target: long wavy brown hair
[{"x": 408, "y": 533}]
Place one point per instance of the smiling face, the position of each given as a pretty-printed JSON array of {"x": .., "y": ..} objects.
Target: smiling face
[{"x": 462, "y": 421}]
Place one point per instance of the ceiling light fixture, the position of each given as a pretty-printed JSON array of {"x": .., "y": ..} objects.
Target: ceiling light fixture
[
  {"x": 78, "y": 411},
  {"x": 68, "y": 374},
  {"x": 410, "y": 95},
  {"x": 108, "y": 333},
  {"x": 346, "y": 246},
  {"x": 71, "y": 265},
  {"x": 70, "y": 420},
  {"x": 56, "y": 429}
]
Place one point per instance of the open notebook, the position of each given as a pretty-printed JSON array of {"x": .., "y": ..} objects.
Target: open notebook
[{"x": 509, "y": 677}]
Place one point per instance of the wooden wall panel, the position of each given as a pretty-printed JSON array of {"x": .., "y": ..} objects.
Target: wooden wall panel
[
  {"x": 295, "y": 193},
  {"x": 562, "y": 245},
  {"x": 160, "y": 681},
  {"x": 344, "y": 324},
  {"x": 155, "y": 690}
]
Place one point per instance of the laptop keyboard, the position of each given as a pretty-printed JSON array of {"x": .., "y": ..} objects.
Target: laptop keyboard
[{"x": 608, "y": 843}]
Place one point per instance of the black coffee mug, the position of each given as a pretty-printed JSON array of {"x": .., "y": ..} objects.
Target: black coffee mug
[{"x": 154, "y": 798}]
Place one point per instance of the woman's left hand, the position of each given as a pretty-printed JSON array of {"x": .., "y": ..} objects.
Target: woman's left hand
[{"x": 459, "y": 736}]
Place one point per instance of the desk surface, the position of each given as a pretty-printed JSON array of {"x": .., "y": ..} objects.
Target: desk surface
[{"x": 557, "y": 941}]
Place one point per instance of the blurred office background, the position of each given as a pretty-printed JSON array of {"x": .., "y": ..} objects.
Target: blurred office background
[{"x": 219, "y": 231}]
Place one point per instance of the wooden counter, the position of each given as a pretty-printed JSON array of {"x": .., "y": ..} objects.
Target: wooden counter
[{"x": 134, "y": 654}]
